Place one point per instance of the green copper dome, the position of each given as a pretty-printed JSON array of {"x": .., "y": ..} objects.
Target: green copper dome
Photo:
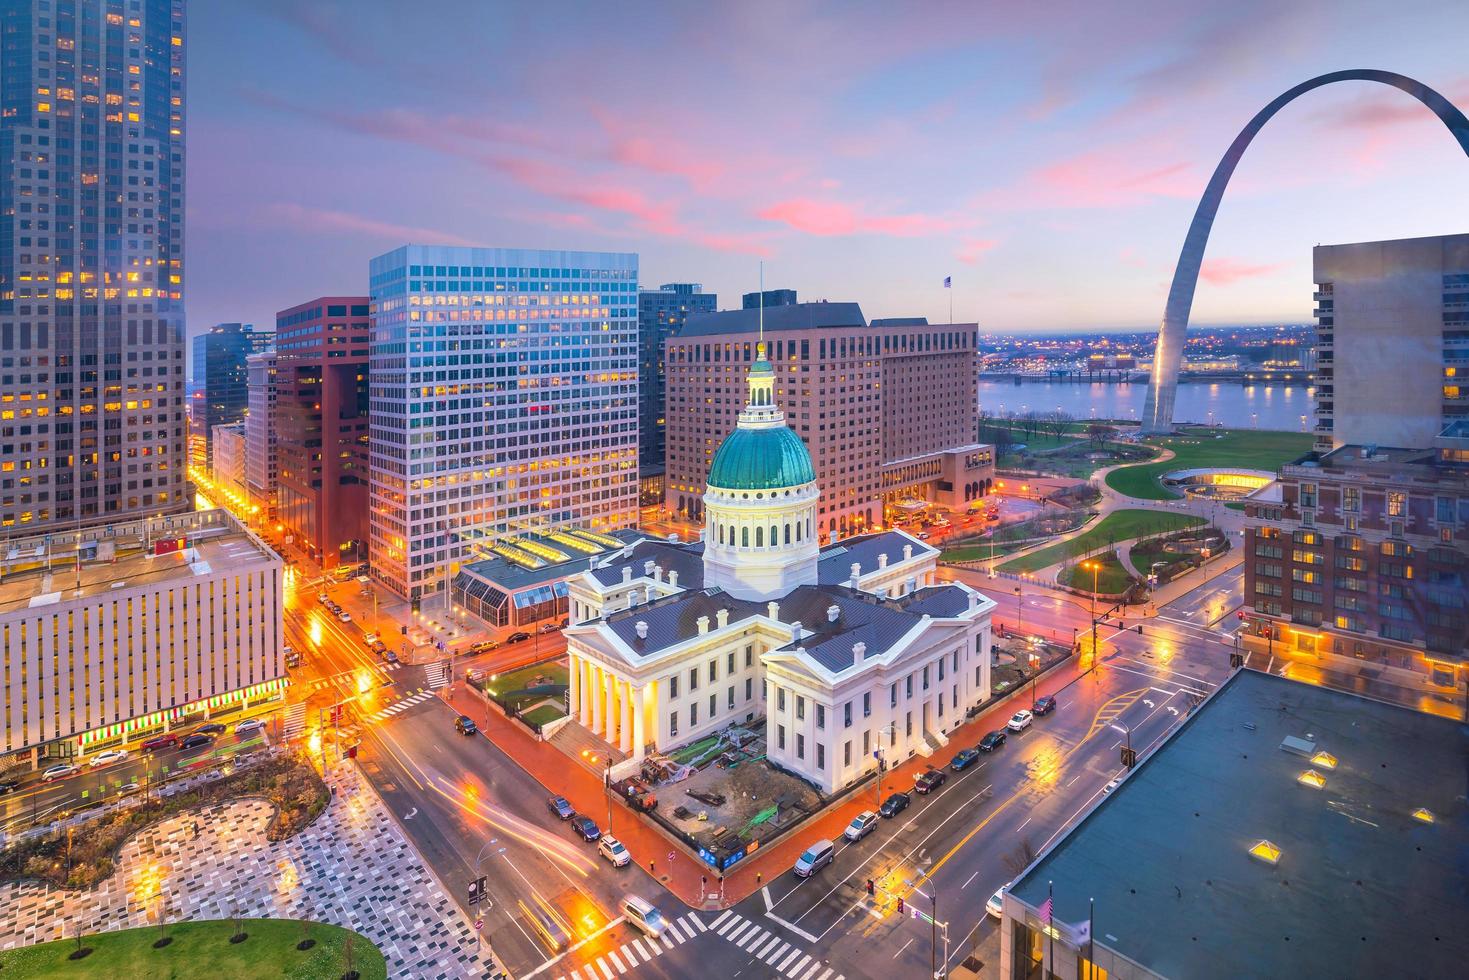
[{"x": 761, "y": 459}]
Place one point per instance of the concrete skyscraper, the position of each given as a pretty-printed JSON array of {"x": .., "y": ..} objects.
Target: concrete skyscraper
[
  {"x": 661, "y": 312},
  {"x": 222, "y": 383},
  {"x": 503, "y": 398},
  {"x": 91, "y": 260}
]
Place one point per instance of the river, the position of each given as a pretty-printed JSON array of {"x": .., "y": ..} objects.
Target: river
[{"x": 1237, "y": 406}]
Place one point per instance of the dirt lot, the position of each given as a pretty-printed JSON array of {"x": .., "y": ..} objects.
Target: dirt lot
[{"x": 749, "y": 789}]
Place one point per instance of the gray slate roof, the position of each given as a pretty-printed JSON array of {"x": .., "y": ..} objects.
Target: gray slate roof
[
  {"x": 798, "y": 316},
  {"x": 835, "y": 564},
  {"x": 686, "y": 559}
]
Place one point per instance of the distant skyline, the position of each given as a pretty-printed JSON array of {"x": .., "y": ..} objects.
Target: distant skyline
[{"x": 1048, "y": 159}]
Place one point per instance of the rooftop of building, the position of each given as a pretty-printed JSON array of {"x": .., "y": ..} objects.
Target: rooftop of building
[
  {"x": 515, "y": 567},
  {"x": 1378, "y": 462},
  {"x": 124, "y": 556},
  {"x": 793, "y": 316},
  {"x": 1359, "y": 882}
]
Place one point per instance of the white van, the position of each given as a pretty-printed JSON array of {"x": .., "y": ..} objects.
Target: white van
[{"x": 644, "y": 916}]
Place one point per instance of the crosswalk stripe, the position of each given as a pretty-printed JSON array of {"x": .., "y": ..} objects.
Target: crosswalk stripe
[
  {"x": 722, "y": 916},
  {"x": 735, "y": 933},
  {"x": 637, "y": 944},
  {"x": 811, "y": 972},
  {"x": 805, "y": 958},
  {"x": 826, "y": 975},
  {"x": 688, "y": 925},
  {"x": 612, "y": 955},
  {"x": 788, "y": 960},
  {"x": 774, "y": 942},
  {"x": 700, "y": 923},
  {"x": 667, "y": 943},
  {"x": 733, "y": 920},
  {"x": 653, "y": 947},
  {"x": 754, "y": 939},
  {"x": 677, "y": 936}
]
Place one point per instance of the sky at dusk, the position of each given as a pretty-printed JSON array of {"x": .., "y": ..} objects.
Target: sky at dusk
[{"x": 1048, "y": 156}]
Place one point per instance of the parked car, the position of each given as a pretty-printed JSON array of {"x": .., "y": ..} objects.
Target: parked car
[
  {"x": 369, "y": 638},
  {"x": 465, "y": 725},
  {"x": 293, "y": 660},
  {"x": 587, "y": 828},
  {"x": 161, "y": 742},
  {"x": 559, "y": 806},
  {"x": 390, "y": 656},
  {"x": 992, "y": 741},
  {"x": 131, "y": 786},
  {"x": 517, "y": 637},
  {"x": 611, "y": 848},
  {"x": 195, "y": 740},
  {"x": 550, "y": 627},
  {"x": 323, "y": 598},
  {"x": 644, "y": 916},
  {"x": 249, "y": 725},
  {"x": 484, "y": 646},
  {"x": 895, "y": 804},
  {"x": 930, "y": 780},
  {"x": 862, "y": 825},
  {"x": 379, "y": 647},
  {"x": 817, "y": 856},
  {"x": 964, "y": 759},
  {"x": 9, "y": 786},
  {"x": 110, "y": 756},
  {"x": 995, "y": 906},
  {"x": 1020, "y": 721},
  {"x": 922, "y": 535},
  {"x": 344, "y": 616},
  {"x": 60, "y": 771},
  {"x": 209, "y": 728},
  {"x": 1107, "y": 790},
  {"x": 1045, "y": 704}
]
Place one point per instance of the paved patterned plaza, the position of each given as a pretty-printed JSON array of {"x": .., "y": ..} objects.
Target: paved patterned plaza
[{"x": 352, "y": 868}]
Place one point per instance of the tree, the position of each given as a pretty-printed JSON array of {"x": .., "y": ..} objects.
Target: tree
[
  {"x": 1003, "y": 439},
  {"x": 982, "y": 416},
  {"x": 1031, "y": 423},
  {"x": 1099, "y": 433},
  {"x": 1054, "y": 423}
]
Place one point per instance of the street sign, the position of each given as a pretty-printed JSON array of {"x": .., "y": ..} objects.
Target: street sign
[
  {"x": 670, "y": 857},
  {"x": 479, "y": 924}
]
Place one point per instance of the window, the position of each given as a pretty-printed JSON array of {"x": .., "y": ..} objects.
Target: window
[
  {"x": 976, "y": 676},
  {"x": 673, "y": 687},
  {"x": 956, "y": 661},
  {"x": 780, "y": 699},
  {"x": 867, "y": 705},
  {"x": 941, "y": 668},
  {"x": 821, "y": 716},
  {"x": 820, "y": 756},
  {"x": 1308, "y": 495},
  {"x": 847, "y": 715},
  {"x": 847, "y": 753},
  {"x": 1351, "y": 500},
  {"x": 893, "y": 695},
  {"x": 714, "y": 703},
  {"x": 713, "y": 670},
  {"x": 749, "y": 655},
  {"x": 729, "y": 664},
  {"x": 672, "y": 724},
  {"x": 1396, "y": 501},
  {"x": 693, "y": 678},
  {"x": 908, "y": 683},
  {"x": 800, "y": 708},
  {"x": 866, "y": 744},
  {"x": 780, "y": 737},
  {"x": 749, "y": 688},
  {"x": 800, "y": 746},
  {"x": 925, "y": 678},
  {"x": 693, "y": 714},
  {"x": 908, "y": 730}
]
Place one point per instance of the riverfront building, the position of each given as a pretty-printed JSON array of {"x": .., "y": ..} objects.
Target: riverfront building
[
  {"x": 850, "y": 653},
  {"x": 503, "y": 398},
  {"x": 887, "y": 409}
]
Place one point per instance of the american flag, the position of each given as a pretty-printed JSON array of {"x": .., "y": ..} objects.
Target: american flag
[
  {"x": 1045, "y": 911},
  {"x": 948, "y": 282}
]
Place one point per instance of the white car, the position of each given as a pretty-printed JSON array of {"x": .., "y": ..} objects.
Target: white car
[
  {"x": 996, "y": 904},
  {"x": 1107, "y": 790},
  {"x": 322, "y": 597},
  {"x": 57, "y": 772},
  {"x": 1020, "y": 720},
  {"x": 369, "y": 638},
  {"x": 249, "y": 725},
  {"x": 344, "y": 616},
  {"x": 611, "y": 848},
  {"x": 111, "y": 755},
  {"x": 862, "y": 825}
]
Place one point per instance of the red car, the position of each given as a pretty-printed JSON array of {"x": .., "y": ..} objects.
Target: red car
[{"x": 161, "y": 742}]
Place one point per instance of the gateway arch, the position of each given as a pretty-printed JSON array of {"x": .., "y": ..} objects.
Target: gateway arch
[{"x": 1163, "y": 382}]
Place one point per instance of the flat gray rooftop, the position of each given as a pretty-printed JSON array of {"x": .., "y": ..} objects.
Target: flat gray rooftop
[{"x": 1362, "y": 888}]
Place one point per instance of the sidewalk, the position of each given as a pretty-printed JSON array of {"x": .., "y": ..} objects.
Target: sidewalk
[{"x": 585, "y": 791}]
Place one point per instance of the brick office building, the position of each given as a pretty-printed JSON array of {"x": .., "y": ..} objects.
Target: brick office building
[{"x": 886, "y": 409}]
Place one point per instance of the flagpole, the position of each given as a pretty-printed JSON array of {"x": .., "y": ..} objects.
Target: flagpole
[{"x": 1091, "y": 942}]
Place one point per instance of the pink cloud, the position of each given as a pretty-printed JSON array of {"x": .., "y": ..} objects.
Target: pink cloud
[
  {"x": 1109, "y": 177},
  {"x": 1226, "y": 271},
  {"x": 975, "y": 248},
  {"x": 325, "y": 219},
  {"x": 826, "y": 218}
]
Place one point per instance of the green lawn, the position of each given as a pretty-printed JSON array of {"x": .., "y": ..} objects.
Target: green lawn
[
  {"x": 1119, "y": 525},
  {"x": 540, "y": 716},
  {"x": 978, "y": 552},
  {"x": 202, "y": 949},
  {"x": 551, "y": 672},
  {"x": 1249, "y": 448},
  {"x": 1111, "y": 578},
  {"x": 1145, "y": 555}
]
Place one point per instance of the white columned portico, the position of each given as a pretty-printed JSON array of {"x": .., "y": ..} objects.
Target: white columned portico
[
  {"x": 597, "y": 692},
  {"x": 625, "y": 739},
  {"x": 639, "y": 738},
  {"x": 573, "y": 681}
]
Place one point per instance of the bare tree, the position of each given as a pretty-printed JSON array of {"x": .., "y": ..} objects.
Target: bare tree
[
  {"x": 1054, "y": 423},
  {"x": 983, "y": 416},
  {"x": 1099, "y": 433},
  {"x": 1030, "y": 423}
]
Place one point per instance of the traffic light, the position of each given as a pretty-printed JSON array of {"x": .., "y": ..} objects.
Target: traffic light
[
  {"x": 871, "y": 887},
  {"x": 1129, "y": 758},
  {"x": 900, "y": 906},
  {"x": 1140, "y": 629}
]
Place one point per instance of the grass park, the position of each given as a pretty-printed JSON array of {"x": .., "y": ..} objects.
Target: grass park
[
  {"x": 1248, "y": 448},
  {"x": 1120, "y": 525},
  {"x": 205, "y": 949},
  {"x": 1110, "y": 578}
]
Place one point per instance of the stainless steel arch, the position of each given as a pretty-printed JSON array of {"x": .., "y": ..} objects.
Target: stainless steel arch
[{"x": 1163, "y": 382}]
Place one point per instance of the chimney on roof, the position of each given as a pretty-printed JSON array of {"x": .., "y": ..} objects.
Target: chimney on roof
[
  {"x": 657, "y": 573},
  {"x": 648, "y": 566},
  {"x": 856, "y": 571},
  {"x": 627, "y": 573},
  {"x": 800, "y": 651},
  {"x": 912, "y": 583},
  {"x": 907, "y": 551},
  {"x": 703, "y": 625},
  {"x": 642, "y": 629},
  {"x": 973, "y": 600},
  {"x": 722, "y": 617},
  {"x": 882, "y": 560},
  {"x": 859, "y": 652},
  {"x": 796, "y": 630},
  {"x": 673, "y": 578},
  {"x": 773, "y": 610},
  {"x": 833, "y": 613}
]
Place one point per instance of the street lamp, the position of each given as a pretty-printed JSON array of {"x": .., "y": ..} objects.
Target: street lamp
[
  {"x": 933, "y": 921},
  {"x": 1019, "y": 613},
  {"x": 1096, "y": 568},
  {"x": 1126, "y": 733}
]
